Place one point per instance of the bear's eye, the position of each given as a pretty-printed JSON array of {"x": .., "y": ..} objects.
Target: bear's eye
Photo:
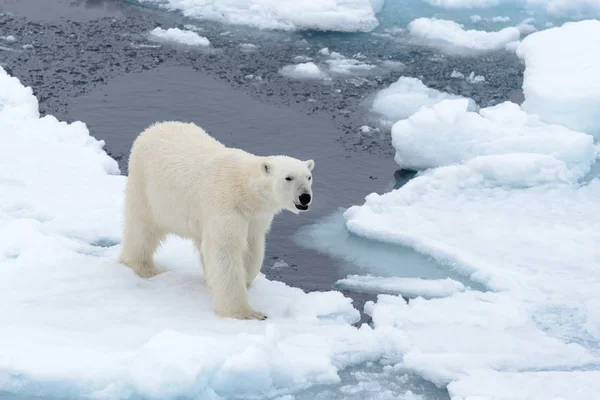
[
  {"x": 289, "y": 178},
  {"x": 309, "y": 178}
]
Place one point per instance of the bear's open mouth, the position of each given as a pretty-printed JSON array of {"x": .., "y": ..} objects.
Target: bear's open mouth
[{"x": 301, "y": 207}]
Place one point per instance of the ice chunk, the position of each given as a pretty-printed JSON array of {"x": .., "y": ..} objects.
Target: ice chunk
[
  {"x": 476, "y": 18},
  {"x": 560, "y": 81},
  {"x": 334, "y": 15},
  {"x": 248, "y": 46},
  {"x": 76, "y": 323},
  {"x": 500, "y": 18},
  {"x": 406, "y": 96},
  {"x": 545, "y": 385},
  {"x": 450, "y": 36},
  {"x": 472, "y": 78},
  {"x": 408, "y": 287},
  {"x": 280, "y": 264},
  {"x": 340, "y": 65},
  {"x": 8, "y": 38},
  {"x": 448, "y": 133},
  {"x": 179, "y": 36},
  {"x": 308, "y": 70},
  {"x": 457, "y": 74}
]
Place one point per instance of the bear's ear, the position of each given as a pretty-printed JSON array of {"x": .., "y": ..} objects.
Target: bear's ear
[
  {"x": 265, "y": 168},
  {"x": 310, "y": 164}
]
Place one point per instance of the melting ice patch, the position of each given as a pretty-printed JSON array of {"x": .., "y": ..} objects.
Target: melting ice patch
[
  {"x": 332, "y": 15},
  {"x": 407, "y": 287},
  {"x": 179, "y": 36},
  {"x": 561, "y": 82},
  {"x": 451, "y": 36},
  {"x": 76, "y": 323}
]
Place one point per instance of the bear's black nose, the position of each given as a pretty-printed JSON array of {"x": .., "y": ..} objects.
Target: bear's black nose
[{"x": 304, "y": 198}]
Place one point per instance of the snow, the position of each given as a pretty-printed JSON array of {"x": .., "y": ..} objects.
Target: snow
[
  {"x": 330, "y": 15},
  {"x": 408, "y": 287},
  {"x": 449, "y": 133},
  {"x": 180, "y": 36},
  {"x": 560, "y": 81},
  {"x": 406, "y": 96},
  {"x": 307, "y": 70},
  {"x": 450, "y": 36},
  {"x": 76, "y": 324}
]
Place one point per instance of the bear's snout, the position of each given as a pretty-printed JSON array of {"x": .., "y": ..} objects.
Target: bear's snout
[{"x": 304, "y": 199}]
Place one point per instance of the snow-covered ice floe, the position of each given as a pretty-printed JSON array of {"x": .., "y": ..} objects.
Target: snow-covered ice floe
[
  {"x": 180, "y": 36},
  {"x": 450, "y": 133},
  {"x": 332, "y": 15},
  {"x": 561, "y": 81},
  {"x": 505, "y": 203},
  {"x": 451, "y": 36},
  {"x": 408, "y": 287},
  {"x": 76, "y": 324}
]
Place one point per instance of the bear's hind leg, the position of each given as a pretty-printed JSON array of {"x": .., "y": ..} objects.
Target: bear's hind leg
[{"x": 141, "y": 238}]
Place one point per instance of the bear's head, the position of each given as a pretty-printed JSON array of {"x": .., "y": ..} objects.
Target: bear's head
[{"x": 290, "y": 182}]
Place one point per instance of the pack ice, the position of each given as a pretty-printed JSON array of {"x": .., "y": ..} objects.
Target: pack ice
[
  {"x": 77, "y": 324},
  {"x": 333, "y": 15},
  {"x": 503, "y": 198}
]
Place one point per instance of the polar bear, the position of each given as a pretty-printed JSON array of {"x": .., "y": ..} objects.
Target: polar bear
[{"x": 184, "y": 182}]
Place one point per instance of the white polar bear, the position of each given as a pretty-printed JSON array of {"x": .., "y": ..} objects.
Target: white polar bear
[{"x": 183, "y": 181}]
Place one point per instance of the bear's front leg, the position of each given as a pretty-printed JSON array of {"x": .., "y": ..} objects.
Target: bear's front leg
[
  {"x": 223, "y": 248},
  {"x": 255, "y": 255}
]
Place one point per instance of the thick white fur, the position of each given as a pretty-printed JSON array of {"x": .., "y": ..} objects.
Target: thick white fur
[{"x": 183, "y": 181}]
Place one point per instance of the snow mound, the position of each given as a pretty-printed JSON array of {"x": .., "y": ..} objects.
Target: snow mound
[
  {"x": 408, "y": 287},
  {"x": 181, "y": 36},
  {"x": 405, "y": 97},
  {"x": 449, "y": 133},
  {"x": 308, "y": 70},
  {"x": 450, "y": 36},
  {"x": 76, "y": 323},
  {"x": 332, "y": 15},
  {"x": 560, "y": 81}
]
